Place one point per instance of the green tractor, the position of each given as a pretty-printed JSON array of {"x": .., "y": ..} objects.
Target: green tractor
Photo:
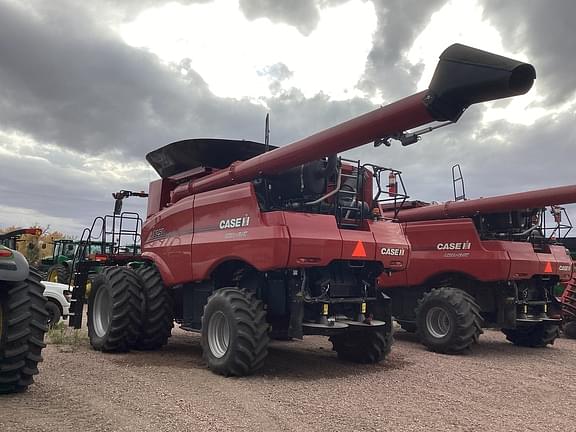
[{"x": 57, "y": 268}]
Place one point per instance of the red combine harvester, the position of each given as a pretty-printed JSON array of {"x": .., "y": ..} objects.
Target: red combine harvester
[
  {"x": 481, "y": 263},
  {"x": 242, "y": 243}
]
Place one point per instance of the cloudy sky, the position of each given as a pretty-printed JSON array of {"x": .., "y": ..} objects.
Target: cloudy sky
[{"x": 88, "y": 88}]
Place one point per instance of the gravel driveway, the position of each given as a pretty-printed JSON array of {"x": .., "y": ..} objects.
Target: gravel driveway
[{"x": 303, "y": 387}]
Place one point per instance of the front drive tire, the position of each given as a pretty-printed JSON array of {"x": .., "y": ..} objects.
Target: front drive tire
[
  {"x": 157, "y": 319},
  {"x": 535, "y": 336},
  {"x": 58, "y": 273},
  {"x": 234, "y": 332},
  {"x": 115, "y": 310},
  {"x": 368, "y": 346},
  {"x": 570, "y": 330},
  {"x": 448, "y": 320},
  {"x": 54, "y": 313},
  {"x": 23, "y": 319}
]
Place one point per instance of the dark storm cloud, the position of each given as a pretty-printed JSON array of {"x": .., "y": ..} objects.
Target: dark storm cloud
[
  {"x": 61, "y": 190},
  {"x": 545, "y": 30},
  {"x": 64, "y": 79},
  {"x": 72, "y": 82},
  {"x": 399, "y": 23}
]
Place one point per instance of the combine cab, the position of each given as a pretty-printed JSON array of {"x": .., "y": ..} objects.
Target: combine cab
[
  {"x": 244, "y": 242},
  {"x": 488, "y": 262}
]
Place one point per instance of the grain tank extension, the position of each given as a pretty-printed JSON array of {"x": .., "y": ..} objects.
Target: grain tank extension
[{"x": 243, "y": 244}]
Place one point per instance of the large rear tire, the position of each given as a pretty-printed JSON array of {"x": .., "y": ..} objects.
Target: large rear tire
[
  {"x": 535, "y": 336},
  {"x": 157, "y": 319},
  {"x": 369, "y": 346},
  {"x": 448, "y": 320},
  {"x": 570, "y": 330},
  {"x": 58, "y": 273},
  {"x": 115, "y": 310},
  {"x": 234, "y": 332},
  {"x": 23, "y": 324}
]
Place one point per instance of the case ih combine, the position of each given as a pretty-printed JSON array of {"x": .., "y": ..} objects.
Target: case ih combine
[
  {"x": 481, "y": 263},
  {"x": 242, "y": 243}
]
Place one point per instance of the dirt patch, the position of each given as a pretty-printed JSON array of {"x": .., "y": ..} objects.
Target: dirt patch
[{"x": 303, "y": 387}]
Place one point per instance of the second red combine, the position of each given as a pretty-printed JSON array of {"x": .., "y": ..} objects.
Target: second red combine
[
  {"x": 244, "y": 242},
  {"x": 481, "y": 263}
]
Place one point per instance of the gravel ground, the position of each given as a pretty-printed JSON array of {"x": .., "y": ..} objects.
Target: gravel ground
[{"x": 303, "y": 387}]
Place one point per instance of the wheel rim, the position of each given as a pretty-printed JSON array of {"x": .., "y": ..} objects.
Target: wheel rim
[
  {"x": 438, "y": 322},
  {"x": 218, "y": 334},
  {"x": 88, "y": 289},
  {"x": 102, "y": 311},
  {"x": 53, "y": 277}
]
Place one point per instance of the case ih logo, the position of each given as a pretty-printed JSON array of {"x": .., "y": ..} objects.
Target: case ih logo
[
  {"x": 157, "y": 234},
  {"x": 454, "y": 246},
  {"x": 392, "y": 251},
  {"x": 564, "y": 268},
  {"x": 234, "y": 223}
]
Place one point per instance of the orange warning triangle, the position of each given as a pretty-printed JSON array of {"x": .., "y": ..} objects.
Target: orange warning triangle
[
  {"x": 359, "y": 250},
  {"x": 548, "y": 268}
]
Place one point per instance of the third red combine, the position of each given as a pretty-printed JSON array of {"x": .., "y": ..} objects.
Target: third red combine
[
  {"x": 481, "y": 263},
  {"x": 244, "y": 242}
]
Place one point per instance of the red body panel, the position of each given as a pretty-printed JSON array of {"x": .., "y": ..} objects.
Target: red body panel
[
  {"x": 453, "y": 246},
  {"x": 189, "y": 239}
]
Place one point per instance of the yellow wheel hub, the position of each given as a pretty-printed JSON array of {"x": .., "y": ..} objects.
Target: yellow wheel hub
[
  {"x": 88, "y": 289},
  {"x": 53, "y": 276}
]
